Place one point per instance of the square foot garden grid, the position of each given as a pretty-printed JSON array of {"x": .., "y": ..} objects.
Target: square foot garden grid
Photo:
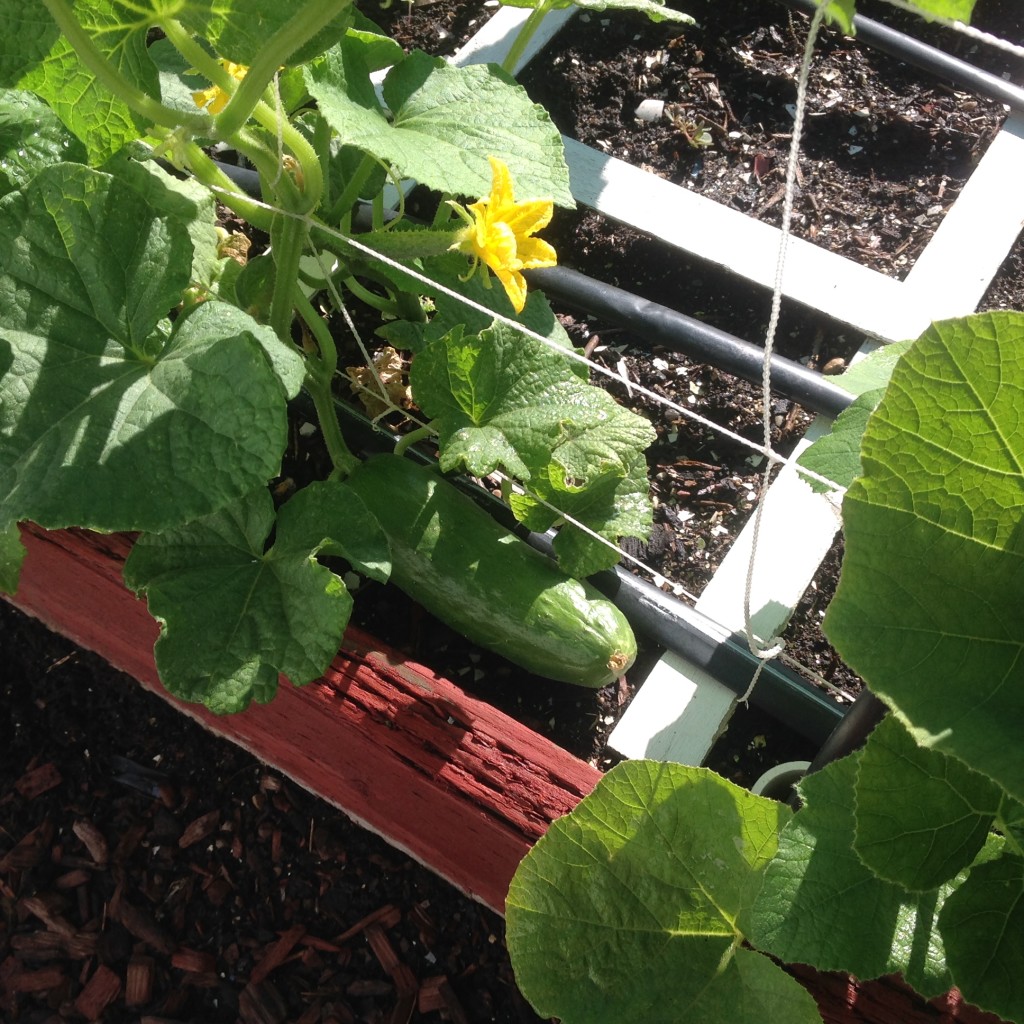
[{"x": 682, "y": 707}]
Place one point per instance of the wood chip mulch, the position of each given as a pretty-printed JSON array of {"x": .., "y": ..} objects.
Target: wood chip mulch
[{"x": 151, "y": 873}]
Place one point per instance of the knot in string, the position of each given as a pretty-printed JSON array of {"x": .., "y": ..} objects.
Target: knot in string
[{"x": 764, "y": 651}]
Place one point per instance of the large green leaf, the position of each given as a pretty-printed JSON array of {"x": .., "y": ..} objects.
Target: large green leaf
[
  {"x": 109, "y": 418},
  {"x": 35, "y": 56},
  {"x": 626, "y": 910},
  {"x": 235, "y": 615},
  {"x": 27, "y": 35},
  {"x": 501, "y": 400},
  {"x": 103, "y": 121},
  {"x": 614, "y": 505},
  {"x": 983, "y": 922},
  {"x": 820, "y": 905},
  {"x": 31, "y": 137},
  {"x": 240, "y": 29},
  {"x": 928, "y": 608},
  {"x": 922, "y": 816},
  {"x": 445, "y": 122},
  {"x": 873, "y": 371},
  {"x": 186, "y": 200},
  {"x": 836, "y": 455}
]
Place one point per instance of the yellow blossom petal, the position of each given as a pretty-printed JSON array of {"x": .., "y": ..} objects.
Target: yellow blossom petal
[
  {"x": 535, "y": 252},
  {"x": 498, "y": 247},
  {"x": 515, "y": 287},
  {"x": 214, "y": 99},
  {"x": 526, "y": 218},
  {"x": 500, "y": 234},
  {"x": 501, "y": 183}
]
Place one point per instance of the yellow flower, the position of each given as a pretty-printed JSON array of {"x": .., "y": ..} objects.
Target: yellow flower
[
  {"x": 215, "y": 99},
  {"x": 499, "y": 231}
]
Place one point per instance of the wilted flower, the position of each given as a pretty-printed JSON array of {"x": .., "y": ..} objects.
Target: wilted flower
[
  {"x": 215, "y": 99},
  {"x": 498, "y": 234}
]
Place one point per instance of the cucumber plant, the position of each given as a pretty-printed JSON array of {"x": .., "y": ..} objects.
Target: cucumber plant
[{"x": 146, "y": 373}]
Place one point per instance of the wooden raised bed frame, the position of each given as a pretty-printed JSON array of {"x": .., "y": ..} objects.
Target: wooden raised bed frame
[{"x": 458, "y": 785}]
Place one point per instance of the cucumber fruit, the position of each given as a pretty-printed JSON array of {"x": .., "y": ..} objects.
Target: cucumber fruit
[{"x": 451, "y": 557}]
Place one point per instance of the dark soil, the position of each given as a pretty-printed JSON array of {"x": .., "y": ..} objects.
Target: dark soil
[{"x": 885, "y": 153}]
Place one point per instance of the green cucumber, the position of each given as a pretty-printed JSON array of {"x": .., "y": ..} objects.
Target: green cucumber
[{"x": 451, "y": 557}]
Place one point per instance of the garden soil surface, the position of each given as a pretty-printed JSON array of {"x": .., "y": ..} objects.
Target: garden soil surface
[{"x": 135, "y": 848}]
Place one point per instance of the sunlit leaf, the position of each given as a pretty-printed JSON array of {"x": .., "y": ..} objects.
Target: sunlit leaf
[
  {"x": 502, "y": 400},
  {"x": 922, "y": 816},
  {"x": 111, "y": 418},
  {"x": 442, "y": 126},
  {"x": 626, "y": 909},
  {"x": 820, "y": 905},
  {"x": 928, "y": 606}
]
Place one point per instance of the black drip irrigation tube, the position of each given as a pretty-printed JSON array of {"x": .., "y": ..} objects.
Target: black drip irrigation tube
[
  {"x": 929, "y": 58},
  {"x": 655, "y": 324}
]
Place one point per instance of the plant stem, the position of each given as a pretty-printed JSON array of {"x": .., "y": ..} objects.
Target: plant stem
[
  {"x": 227, "y": 191},
  {"x": 350, "y": 194},
  {"x": 96, "y": 61},
  {"x": 406, "y": 440},
  {"x": 378, "y": 302},
  {"x": 319, "y": 374},
  {"x": 322, "y": 144},
  {"x": 323, "y": 401},
  {"x": 311, "y": 189},
  {"x": 526, "y": 33},
  {"x": 314, "y": 16},
  {"x": 251, "y": 146},
  {"x": 312, "y": 181},
  {"x": 409, "y": 307},
  {"x": 287, "y": 240}
]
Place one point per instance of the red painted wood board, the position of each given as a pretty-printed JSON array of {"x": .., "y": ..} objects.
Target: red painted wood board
[
  {"x": 444, "y": 776},
  {"x": 463, "y": 788},
  {"x": 889, "y": 1000}
]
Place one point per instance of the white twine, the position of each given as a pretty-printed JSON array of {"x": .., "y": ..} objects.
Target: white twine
[{"x": 765, "y": 650}]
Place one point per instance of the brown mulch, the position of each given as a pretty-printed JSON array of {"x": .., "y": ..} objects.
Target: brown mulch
[{"x": 151, "y": 872}]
